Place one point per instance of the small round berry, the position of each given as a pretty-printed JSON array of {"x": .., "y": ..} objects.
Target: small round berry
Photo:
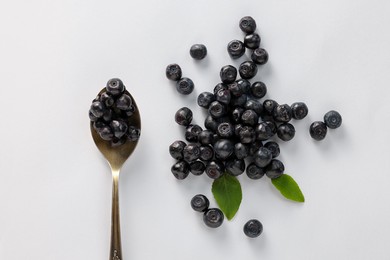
[
  {"x": 247, "y": 24},
  {"x": 180, "y": 170},
  {"x": 176, "y": 149},
  {"x": 269, "y": 105},
  {"x": 236, "y": 114},
  {"x": 282, "y": 113},
  {"x": 258, "y": 89},
  {"x": 107, "y": 115},
  {"x": 192, "y": 133},
  {"x": 223, "y": 96},
  {"x": 274, "y": 169},
  {"x": 92, "y": 117},
  {"x": 218, "y": 87},
  {"x": 254, "y": 105},
  {"x": 318, "y": 130},
  {"x": 198, "y": 51},
  {"x": 191, "y": 152},
  {"x": 247, "y": 69},
  {"x": 200, "y": 203},
  {"x": 263, "y": 131},
  {"x": 197, "y": 168},
  {"x": 249, "y": 117},
  {"x": 262, "y": 157},
  {"x": 254, "y": 172},
  {"x": 97, "y": 109},
  {"x": 106, "y": 133},
  {"x": 235, "y": 89},
  {"x": 286, "y": 131},
  {"x": 236, "y": 49},
  {"x": 299, "y": 110},
  {"x": 205, "y": 99},
  {"x": 98, "y": 125},
  {"x": 133, "y": 133},
  {"x": 211, "y": 123},
  {"x": 206, "y": 153},
  {"x": 252, "y": 41},
  {"x": 244, "y": 86},
  {"x": 235, "y": 167},
  {"x": 173, "y": 72},
  {"x": 206, "y": 137},
  {"x": 247, "y": 135},
  {"x": 241, "y": 151},
  {"x": 115, "y": 87},
  {"x": 254, "y": 147},
  {"x": 225, "y": 130},
  {"x": 217, "y": 109},
  {"x": 253, "y": 228},
  {"x": 214, "y": 169},
  {"x": 106, "y": 99},
  {"x": 119, "y": 128},
  {"x": 183, "y": 116},
  {"x": 228, "y": 74},
  {"x": 185, "y": 86},
  {"x": 272, "y": 125},
  {"x": 213, "y": 217},
  {"x": 123, "y": 102},
  {"x": 273, "y": 147},
  {"x": 259, "y": 56},
  {"x": 223, "y": 148},
  {"x": 333, "y": 119}
]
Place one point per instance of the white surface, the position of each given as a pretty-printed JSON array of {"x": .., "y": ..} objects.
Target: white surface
[{"x": 55, "y": 187}]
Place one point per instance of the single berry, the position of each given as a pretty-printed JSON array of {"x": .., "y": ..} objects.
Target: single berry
[
  {"x": 197, "y": 168},
  {"x": 97, "y": 109},
  {"x": 228, "y": 74},
  {"x": 235, "y": 167},
  {"x": 272, "y": 125},
  {"x": 106, "y": 133},
  {"x": 254, "y": 147},
  {"x": 200, "y": 203},
  {"x": 223, "y": 148},
  {"x": 107, "y": 99},
  {"x": 254, "y": 172},
  {"x": 205, "y": 99},
  {"x": 318, "y": 130},
  {"x": 107, "y": 115},
  {"x": 258, "y": 89},
  {"x": 247, "y": 24},
  {"x": 282, "y": 113},
  {"x": 192, "y": 133},
  {"x": 241, "y": 151},
  {"x": 247, "y": 69},
  {"x": 213, "y": 217},
  {"x": 206, "y": 137},
  {"x": 236, "y": 114},
  {"x": 191, "y": 152},
  {"x": 211, "y": 123},
  {"x": 273, "y": 147},
  {"x": 299, "y": 110},
  {"x": 180, "y": 170},
  {"x": 247, "y": 135},
  {"x": 183, "y": 116},
  {"x": 253, "y": 228},
  {"x": 254, "y": 105},
  {"x": 263, "y": 131},
  {"x": 225, "y": 130},
  {"x": 236, "y": 49},
  {"x": 262, "y": 157},
  {"x": 123, "y": 102},
  {"x": 115, "y": 87},
  {"x": 198, "y": 51},
  {"x": 223, "y": 96},
  {"x": 286, "y": 131},
  {"x": 333, "y": 119},
  {"x": 217, "y": 109},
  {"x": 185, "y": 86},
  {"x": 274, "y": 169},
  {"x": 214, "y": 169},
  {"x": 176, "y": 149},
  {"x": 133, "y": 133},
  {"x": 173, "y": 72},
  {"x": 249, "y": 117},
  {"x": 206, "y": 153},
  {"x": 269, "y": 105},
  {"x": 219, "y": 86},
  {"x": 259, "y": 56},
  {"x": 252, "y": 41},
  {"x": 244, "y": 86},
  {"x": 92, "y": 117},
  {"x": 118, "y": 127}
]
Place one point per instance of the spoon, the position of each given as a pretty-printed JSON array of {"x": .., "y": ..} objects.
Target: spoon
[{"x": 116, "y": 156}]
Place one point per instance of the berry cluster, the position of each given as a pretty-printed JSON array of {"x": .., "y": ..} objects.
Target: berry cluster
[
  {"x": 110, "y": 112},
  {"x": 318, "y": 129},
  {"x": 212, "y": 217}
]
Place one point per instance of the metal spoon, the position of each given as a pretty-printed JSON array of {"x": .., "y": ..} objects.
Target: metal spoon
[{"x": 116, "y": 157}]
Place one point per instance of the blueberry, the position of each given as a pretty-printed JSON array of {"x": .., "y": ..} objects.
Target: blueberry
[
  {"x": 206, "y": 137},
  {"x": 299, "y": 110},
  {"x": 198, "y": 51},
  {"x": 273, "y": 147},
  {"x": 282, "y": 113},
  {"x": 223, "y": 148},
  {"x": 205, "y": 99},
  {"x": 92, "y": 117},
  {"x": 191, "y": 152},
  {"x": 200, "y": 203},
  {"x": 247, "y": 69},
  {"x": 274, "y": 169},
  {"x": 119, "y": 128},
  {"x": 235, "y": 167},
  {"x": 192, "y": 133},
  {"x": 206, "y": 153},
  {"x": 269, "y": 105},
  {"x": 254, "y": 147},
  {"x": 115, "y": 87},
  {"x": 180, "y": 170},
  {"x": 98, "y": 125},
  {"x": 259, "y": 56},
  {"x": 237, "y": 129},
  {"x": 236, "y": 49},
  {"x": 318, "y": 130},
  {"x": 211, "y": 123},
  {"x": 106, "y": 133},
  {"x": 262, "y": 157},
  {"x": 214, "y": 169},
  {"x": 228, "y": 74},
  {"x": 218, "y": 87},
  {"x": 97, "y": 109},
  {"x": 241, "y": 151},
  {"x": 183, "y": 116},
  {"x": 253, "y": 228},
  {"x": 176, "y": 149},
  {"x": 286, "y": 131},
  {"x": 173, "y": 72},
  {"x": 225, "y": 130},
  {"x": 333, "y": 119},
  {"x": 263, "y": 131},
  {"x": 244, "y": 86},
  {"x": 123, "y": 102},
  {"x": 236, "y": 114},
  {"x": 247, "y": 24},
  {"x": 258, "y": 89},
  {"x": 107, "y": 99},
  {"x": 130, "y": 111},
  {"x": 213, "y": 217},
  {"x": 272, "y": 125},
  {"x": 254, "y": 172},
  {"x": 107, "y": 115},
  {"x": 133, "y": 133},
  {"x": 247, "y": 135},
  {"x": 197, "y": 168},
  {"x": 223, "y": 96},
  {"x": 217, "y": 109},
  {"x": 254, "y": 105},
  {"x": 239, "y": 101},
  {"x": 249, "y": 117},
  {"x": 185, "y": 86},
  {"x": 252, "y": 41}
]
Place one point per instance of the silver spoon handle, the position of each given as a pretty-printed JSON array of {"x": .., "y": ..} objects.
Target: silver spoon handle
[{"x": 115, "y": 248}]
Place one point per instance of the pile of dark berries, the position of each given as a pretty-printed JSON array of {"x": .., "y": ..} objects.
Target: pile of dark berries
[
  {"x": 110, "y": 112},
  {"x": 241, "y": 129}
]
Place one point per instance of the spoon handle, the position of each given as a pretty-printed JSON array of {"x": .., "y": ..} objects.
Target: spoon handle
[{"x": 116, "y": 248}]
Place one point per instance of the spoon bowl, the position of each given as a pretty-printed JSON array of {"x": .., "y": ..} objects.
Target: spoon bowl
[{"x": 116, "y": 156}]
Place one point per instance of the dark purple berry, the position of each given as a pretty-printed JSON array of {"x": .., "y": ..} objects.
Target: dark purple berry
[
  {"x": 223, "y": 148},
  {"x": 269, "y": 105},
  {"x": 225, "y": 130},
  {"x": 299, "y": 110},
  {"x": 200, "y": 203},
  {"x": 106, "y": 133},
  {"x": 249, "y": 117},
  {"x": 254, "y": 147},
  {"x": 273, "y": 147},
  {"x": 173, "y": 72},
  {"x": 198, "y": 51},
  {"x": 107, "y": 99},
  {"x": 213, "y": 217},
  {"x": 241, "y": 151},
  {"x": 217, "y": 109},
  {"x": 259, "y": 56},
  {"x": 206, "y": 137},
  {"x": 214, "y": 169},
  {"x": 115, "y": 87},
  {"x": 119, "y": 128},
  {"x": 247, "y": 135},
  {"x": 205, "y": 99},
  {"x": 254, "y": 172},
  {"x": 223, "y": 96},
  {"x": 235, "y": 167},
  {"x": 247, "y": 69},
  {"x": 236, "y": 114},
  {"x": 185, "y": 86},
  {"x": 133, "y": 133},
  {"x": 97, "y": 109},
  {"x": 262, "y": 157},
  {"x": 191, "y": 152},
  {"x": 228, "y": 74},
  {"x": 258, "y": 89},
  {"x": 244, "y": 86},
  {"x": 197, "y": 168},
  {"x": 183, "y": 116},
  {"x": 318, "y": 130},
  {"x": 218, "y": 87},
  {"x": 236, "y": 49},
  {"x": 254, "y": 105},
  {"x": 282, "y": 113},
  {"x": 286, "y": 131},
  {"x": 253, "y": 228},
  {"x": 274, "y": 169},
  {"x": 123, "y": 102},
  {"x": 92, "y": 117},
  {"x": 192, "y": 133},
  {"x": 176, "y": 149},
  {"x": 206, "y": 153},
  {"x": 247, "y": 24},
  {"x": 333, "y": 119},
  {"x": 239, "y": 101},
  {"x": 180, "y": 170},
  {"x": 263, "y": 131},
  {"x": 252, "y": 41}
]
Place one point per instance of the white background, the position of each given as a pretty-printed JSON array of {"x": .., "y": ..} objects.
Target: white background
[{"x": 55, "y": 187}]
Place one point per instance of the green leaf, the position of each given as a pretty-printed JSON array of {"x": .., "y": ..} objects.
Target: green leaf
[
  {"x": 227, "y": 192},
  {"x": 288, "y": 187}
]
